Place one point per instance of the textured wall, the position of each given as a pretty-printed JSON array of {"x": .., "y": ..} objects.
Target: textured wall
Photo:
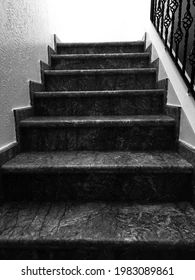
[{"x": 24, "y": 36}]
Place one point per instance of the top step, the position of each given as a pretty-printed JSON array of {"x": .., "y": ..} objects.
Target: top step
[{"x": 98, "y": 48}]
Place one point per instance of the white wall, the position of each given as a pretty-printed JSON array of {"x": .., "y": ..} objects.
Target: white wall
[
  {"x": 177, "y": 90},
  {"x": 25, "y": 33},
  {"x": 100, "y": 20}
]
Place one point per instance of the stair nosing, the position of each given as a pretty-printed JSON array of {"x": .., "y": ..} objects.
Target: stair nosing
[
  {"x": 122, "y": 43},
  {"x": 108, "y": 121},
  {"x": 41, "y": 242},
  {"x": 67, "y": 166},
  {"x": 100, "y": 71},
  {"x": 96, "y": 169},
  {"x": 102, "y": 55},
  {"x": 120, "y": 93}
]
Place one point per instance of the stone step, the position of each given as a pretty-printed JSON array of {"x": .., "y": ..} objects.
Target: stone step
[
  {"x": 100, "y": 48},
  {"x": 100, "y": 79},
  {"x": 100, "y": 103},
  {"x": 100, "y": 61},
  {"x": 141, "y": 132},
  {"x": 97, "y": 176},
  {"x": 97, "y": 231}
]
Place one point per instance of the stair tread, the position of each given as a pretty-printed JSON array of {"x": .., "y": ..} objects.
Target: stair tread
[
  {"x": 97, "y": 120},
  {"x": 104, "y": 55},
  {"x": 165, "y": 224},
  {"x": 100, "y": 71},
  {"x": 98, "y": 161},
  {"x": 98, "y": 93}
]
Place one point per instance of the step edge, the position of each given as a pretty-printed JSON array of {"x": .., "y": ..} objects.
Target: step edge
[
  {"x": 6, "y": 169},
  {"x": 72, "y": 121},
  {"x": 110, "y": 55},
  {"x": 98, "y": 93},
  {"x": 41, "y": 242},
  {"x": 100, "y": 71},
  {"x": 175, "y": 162},
  {"x": 121, "y": 43}
]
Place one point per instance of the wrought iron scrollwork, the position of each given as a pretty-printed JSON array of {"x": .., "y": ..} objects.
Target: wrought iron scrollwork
[
  {"x": 173, "y": 20},
  {"x": 178, "y": 35},
  {"x": 187, "y": 22},
  {"x": 187, "y": 19},
  {"x": 159, "y": 11},
  {"x": 192, "y": 57},
  {"x": 167, "y": 21},
  {"x": 192, "y": 53},
  {"x": 173, "y": 6},
  {"x": 192, "y": 63}
]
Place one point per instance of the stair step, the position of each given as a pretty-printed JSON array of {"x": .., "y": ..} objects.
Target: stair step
[
  {"x": 98, "y": 161},
  {"x": 100, "y": 79},
  {"x": 98, "y": 133},
  {"x": 97, "y": 231},
  {"x": 96, "y": 48},
  {"x": 92, "y": 176},
  {"x": 100, "y": 61},
  {"x": 99, "y": 103}
]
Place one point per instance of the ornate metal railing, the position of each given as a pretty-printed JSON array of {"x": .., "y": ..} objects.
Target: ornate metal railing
[{"x": 174, "y": 21}]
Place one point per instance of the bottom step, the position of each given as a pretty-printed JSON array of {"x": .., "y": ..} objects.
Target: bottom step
[{"x": 97, "y": 231}]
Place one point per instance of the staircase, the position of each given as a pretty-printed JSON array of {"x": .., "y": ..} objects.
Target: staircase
[{"x": 98, "y": 175}]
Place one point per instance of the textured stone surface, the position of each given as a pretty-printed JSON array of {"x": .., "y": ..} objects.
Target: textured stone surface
[
  {"x": 92, "y": 48},
  {"x": 82, "y": 205},
  {"x": 97, "y": 231},
  {"x": 99, "y": 103},
  {"x": 76, "y": 161},
  {"x": 98, "y": 133},
  {"x": 100, "y": 61},
  {"x": 46, "y": 162},
  {"x": 189, "y": 154},
  {"x": 92, "y": 176},
  {"x": 139, "y": 78}
]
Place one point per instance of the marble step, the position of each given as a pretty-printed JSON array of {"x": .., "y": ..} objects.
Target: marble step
[
  {"x": 97, "y": 176},
  {"x": 141, "y": 132},
  {"x": 100, "y": 61},
  {"x": 97, "y": 231},
  {"x": 99, "y": 103},
  {"x": 100, "y": 48},
  {"x": 100, "y": 79}
]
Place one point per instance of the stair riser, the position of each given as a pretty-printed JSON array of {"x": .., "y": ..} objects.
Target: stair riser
[
  {"x": 95, "y": 251},
  {"x": 98, "y": 186},
  {"x": 100, "y": 63},
  {"x": 135, "y": 137},
  {"x": 114, "y": 81},
  {"x": 100, "y": 106},
  {"x": 95, "y": 49}
]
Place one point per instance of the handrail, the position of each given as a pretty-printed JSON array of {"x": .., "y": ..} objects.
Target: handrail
[{"x": 174, "y": 20}]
